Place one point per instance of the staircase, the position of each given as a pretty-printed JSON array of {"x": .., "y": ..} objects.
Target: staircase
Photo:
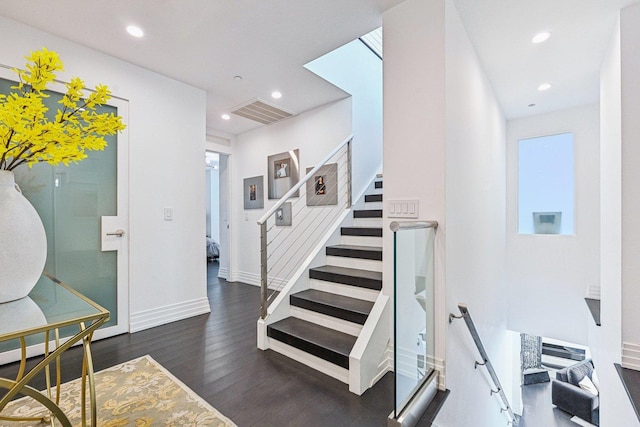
[{"x": 327, "y": 320}]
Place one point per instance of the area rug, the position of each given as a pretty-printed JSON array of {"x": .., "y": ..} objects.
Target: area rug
[{"x": 136, "y": 393}]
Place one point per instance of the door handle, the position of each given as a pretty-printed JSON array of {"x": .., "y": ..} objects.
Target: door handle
[{"x": 119, "y": 232}]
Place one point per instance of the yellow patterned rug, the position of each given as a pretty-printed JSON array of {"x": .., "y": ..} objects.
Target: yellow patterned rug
[{"x": 137, "y": 393}]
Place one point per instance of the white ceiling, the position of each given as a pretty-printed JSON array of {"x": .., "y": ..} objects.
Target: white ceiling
[
  {"x": 501, "y": 32},
  {"x": 205, "y": 43}
]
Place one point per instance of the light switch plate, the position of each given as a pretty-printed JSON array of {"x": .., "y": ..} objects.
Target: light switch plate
[{"x": 402, "y": 208}]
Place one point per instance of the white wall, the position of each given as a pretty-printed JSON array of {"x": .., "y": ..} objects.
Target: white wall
[
  {"x": 552, "y": 274},
  {"x": 358, "y": 71},
  {"x": 629, "y": 47},
  {"x": 475, "y": 233},
  {"x": 414, "y": 127},
  {"x": 315, "y": 133},
  {"x": 605, "y": 341},
  {"x": 445, "y": 134},
  {"x": 166, "y": 146}
]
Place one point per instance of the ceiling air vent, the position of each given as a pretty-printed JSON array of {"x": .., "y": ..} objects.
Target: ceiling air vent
[{"x": 261, "y": 112}]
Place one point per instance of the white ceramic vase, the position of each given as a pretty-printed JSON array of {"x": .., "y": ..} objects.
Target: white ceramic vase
[{"x": 23, "y": 242}]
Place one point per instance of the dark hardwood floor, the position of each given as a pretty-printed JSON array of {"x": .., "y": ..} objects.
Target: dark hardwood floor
[{"x": 217, "y": 357}]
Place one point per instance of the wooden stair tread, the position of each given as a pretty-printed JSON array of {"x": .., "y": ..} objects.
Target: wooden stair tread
[
  {"x": 367, "y": 213},
  {"x": 355, "y": 251},
  {"x": 328, "y": 344},
  {"x": 345, "y": 308},
  {"x": 371, "y": 198},
  {"x": 361, "y": 231},
  {"x": 348, "y": 276}
]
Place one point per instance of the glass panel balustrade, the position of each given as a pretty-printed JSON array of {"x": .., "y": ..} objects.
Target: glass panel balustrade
[{"x": 414, "y": 309}]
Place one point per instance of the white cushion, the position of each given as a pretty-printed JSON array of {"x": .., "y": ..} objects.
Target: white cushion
[
  {"x": 595, "y": 380},
  {"x": 587, "y": 385}
]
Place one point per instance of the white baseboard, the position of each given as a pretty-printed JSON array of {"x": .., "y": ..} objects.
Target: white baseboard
[
  {"x": 593, "y": 292},
  {"x": 248, "y": 278},
  {"x": 223, "y": 273},
  {"x": 631, "y": 356},
  {"x": 255, "y": 279},
  {"x": 170, "y": 313}
]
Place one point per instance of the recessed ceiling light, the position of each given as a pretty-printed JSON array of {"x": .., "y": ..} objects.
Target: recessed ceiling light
[
  {"x": 135, "y": 31},
  {"x": 276, "y": 95},
  {"x": 544, "y": 86},
  {"x": 531, "y": 105},
  {"x": 542, "y": 36},
  {"x": 225, "y": 117},
  {"x": 237, "y": 78}
]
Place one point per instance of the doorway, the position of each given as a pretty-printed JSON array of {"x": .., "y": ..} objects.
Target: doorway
[{"x": 217, "y": 218}]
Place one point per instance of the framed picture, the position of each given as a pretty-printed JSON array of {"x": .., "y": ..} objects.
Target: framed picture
[
  {"x": 253, "y": 189},
  {"x": 322, "y": 189},
  {"x": 283, "y": 215},
  {"x": 282, "y": 168},
  {"x": 284, "y": 173}
]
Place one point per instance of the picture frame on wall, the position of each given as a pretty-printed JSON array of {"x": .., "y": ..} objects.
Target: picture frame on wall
[
  {"x": 253, "y": 189},
  {"x": 284, "y": 173},
  {"x": 322, "y": 189},
  {"x": 283, "y": 215}
]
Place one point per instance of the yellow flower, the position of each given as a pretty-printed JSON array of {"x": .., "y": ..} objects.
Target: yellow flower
[{"x": 27, "y": 136}]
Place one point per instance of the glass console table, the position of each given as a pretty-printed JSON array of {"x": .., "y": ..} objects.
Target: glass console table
[{"x": 51, "y": 307}]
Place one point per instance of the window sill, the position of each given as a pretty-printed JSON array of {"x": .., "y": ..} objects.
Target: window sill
[
  {"x": 631, "y": 381},
  {"x": 594, "y": 309}
]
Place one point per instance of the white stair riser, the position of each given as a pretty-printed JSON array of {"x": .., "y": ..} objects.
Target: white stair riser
[
  {"x": 373, "y": 205},
  {"x": 344, "y": 290},
  {"x": 359, "y": 263},
  {"x": 361, "y": 240},
  {"x": 367, "y": 222},
  {"x": 328, "y": 368},
  {"x": 326, "y": 321}
]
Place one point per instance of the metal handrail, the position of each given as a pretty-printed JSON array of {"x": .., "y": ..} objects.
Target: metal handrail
[
  {"x": 412, "y": 225},
  {"x": 262, "y": 222},
  {"x": 485, "y": 358}
]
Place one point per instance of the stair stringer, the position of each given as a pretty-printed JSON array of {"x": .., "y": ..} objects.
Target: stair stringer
[{"x": 365, "y": 367}]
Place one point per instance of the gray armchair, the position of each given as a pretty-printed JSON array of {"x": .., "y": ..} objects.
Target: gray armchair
[{"x": 568, "y": 396}]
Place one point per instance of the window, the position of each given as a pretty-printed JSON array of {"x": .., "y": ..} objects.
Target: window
[{"x": 546, "y": 185}]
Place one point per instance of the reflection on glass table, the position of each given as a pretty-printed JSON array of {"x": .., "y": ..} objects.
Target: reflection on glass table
[{"x": 52, "y": 309}]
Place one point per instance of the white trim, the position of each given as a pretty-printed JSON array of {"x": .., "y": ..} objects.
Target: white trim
[
  {"x": 330, "y": 322},
  {"x": 223, "y": 273},
  {"x": 275, "y": 283},
  {"x": 344, "y": 290},
  {"x": 321, "y": 365},
  {"x": 169, "y": 313},
  {"x": 361, "y": 240},
  {"x": 594, "y": 292},
  {"x": 631, "y": 356},
  {"x": 359, "y": 263},
  {"x": 370, "y": 347},
  {"x": 248, "y": 278}
]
